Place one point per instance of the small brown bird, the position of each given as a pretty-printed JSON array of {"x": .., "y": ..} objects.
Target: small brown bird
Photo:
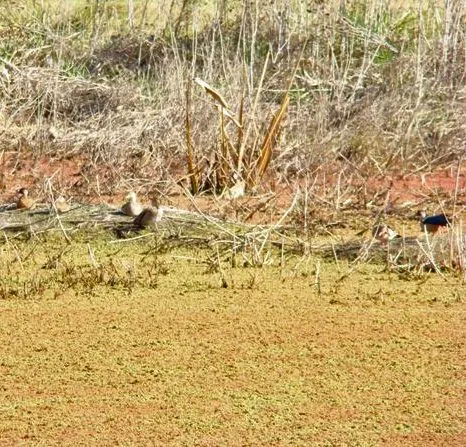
[
  {"x": 384, "y": 233},
  {"x": 148, "y": 217},
  {"x": 61, "y": 205},
  {"x": 132, "y": 207},
  {"x": 236, "y": 191},
  {"x": 24, "y": 202}
]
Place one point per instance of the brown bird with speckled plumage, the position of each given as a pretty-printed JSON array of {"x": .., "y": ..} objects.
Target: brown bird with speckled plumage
[
  {"x": 132, "y": 207},
  {"x": 61, "y": 205},
  {"x": 24, "y": 202},
  {"x": 148, "y": 217}
]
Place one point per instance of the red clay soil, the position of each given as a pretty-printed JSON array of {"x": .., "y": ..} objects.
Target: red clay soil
[{"x": 74, "y": 178}]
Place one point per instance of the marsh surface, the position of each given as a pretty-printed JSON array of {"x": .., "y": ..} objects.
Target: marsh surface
[{"x": 137, "y": 343}]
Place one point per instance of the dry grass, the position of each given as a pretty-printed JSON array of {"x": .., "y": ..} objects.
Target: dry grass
[{"x": 379, "y": 89}]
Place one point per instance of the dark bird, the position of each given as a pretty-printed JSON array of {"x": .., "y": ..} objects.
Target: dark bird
[{"x": 432, "y": 224}]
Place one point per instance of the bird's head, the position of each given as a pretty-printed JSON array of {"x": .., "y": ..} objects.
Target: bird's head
[
  {"x": 421, "y": 214},
  {"x": 132, "y": 196},
  {"x": 23, "y": 192}
]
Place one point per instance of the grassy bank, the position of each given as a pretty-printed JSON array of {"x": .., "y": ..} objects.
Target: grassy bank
[{"x": 379, "y": 89}]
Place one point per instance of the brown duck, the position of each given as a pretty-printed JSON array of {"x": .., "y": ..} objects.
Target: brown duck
[
  {"x": 24, "y": 202},
  {"x": 61, "y": 205},
  {"x": 148, "y": 217},
  {"x": 132, "y": 207}
]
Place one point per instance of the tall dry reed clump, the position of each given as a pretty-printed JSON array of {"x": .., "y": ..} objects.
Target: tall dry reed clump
[{"x": 379, "y": 87}]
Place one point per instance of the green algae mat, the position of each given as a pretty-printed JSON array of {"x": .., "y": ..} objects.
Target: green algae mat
[{"x": 141, "y": 342}]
